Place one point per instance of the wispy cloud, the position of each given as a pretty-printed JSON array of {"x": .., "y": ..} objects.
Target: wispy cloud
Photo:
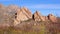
[{"x": 44, "y": 6}]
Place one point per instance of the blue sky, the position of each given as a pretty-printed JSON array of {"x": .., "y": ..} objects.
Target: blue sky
[{"x": 44, "y": 6}]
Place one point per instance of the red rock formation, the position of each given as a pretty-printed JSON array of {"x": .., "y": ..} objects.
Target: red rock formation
[
  {"x": 52, "y": 18},
  {"x": 36, "y": 16},
  {"x": 23, "y": 14},
  {"x": 14, "y": 14},
  {"x": 39, "y": 17}
]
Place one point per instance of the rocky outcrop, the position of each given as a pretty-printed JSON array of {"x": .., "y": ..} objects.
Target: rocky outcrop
[
  {"x": 13, "y": 15},
  {"x": 38, "y": 17},
  {"x": 52, "y": 18},
  {"x": 25, "y": 11},
  {"x": 23, "y": 14}
]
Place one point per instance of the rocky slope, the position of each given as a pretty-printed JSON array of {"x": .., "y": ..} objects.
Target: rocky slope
[
  {"x": 13, "y": 14},
  {"x": 21, "y": 18}
]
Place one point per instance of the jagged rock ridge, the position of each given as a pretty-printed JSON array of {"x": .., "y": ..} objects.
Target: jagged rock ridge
[{"x": 14, "y": 15}]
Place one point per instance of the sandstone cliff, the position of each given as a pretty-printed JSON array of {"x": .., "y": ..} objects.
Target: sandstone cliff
[
  {"x": 14, "y": 15},
  {"x": 22, "y": 14}
]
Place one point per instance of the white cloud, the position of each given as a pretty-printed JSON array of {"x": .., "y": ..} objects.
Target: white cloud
[{"x": 45, "y": 6}]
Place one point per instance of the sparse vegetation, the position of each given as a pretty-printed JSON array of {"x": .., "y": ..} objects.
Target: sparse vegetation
[
  {"x": 7, "y": 16},
  {"x": 39, "y": 28},
  {"x": 28, "y": 29}
]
